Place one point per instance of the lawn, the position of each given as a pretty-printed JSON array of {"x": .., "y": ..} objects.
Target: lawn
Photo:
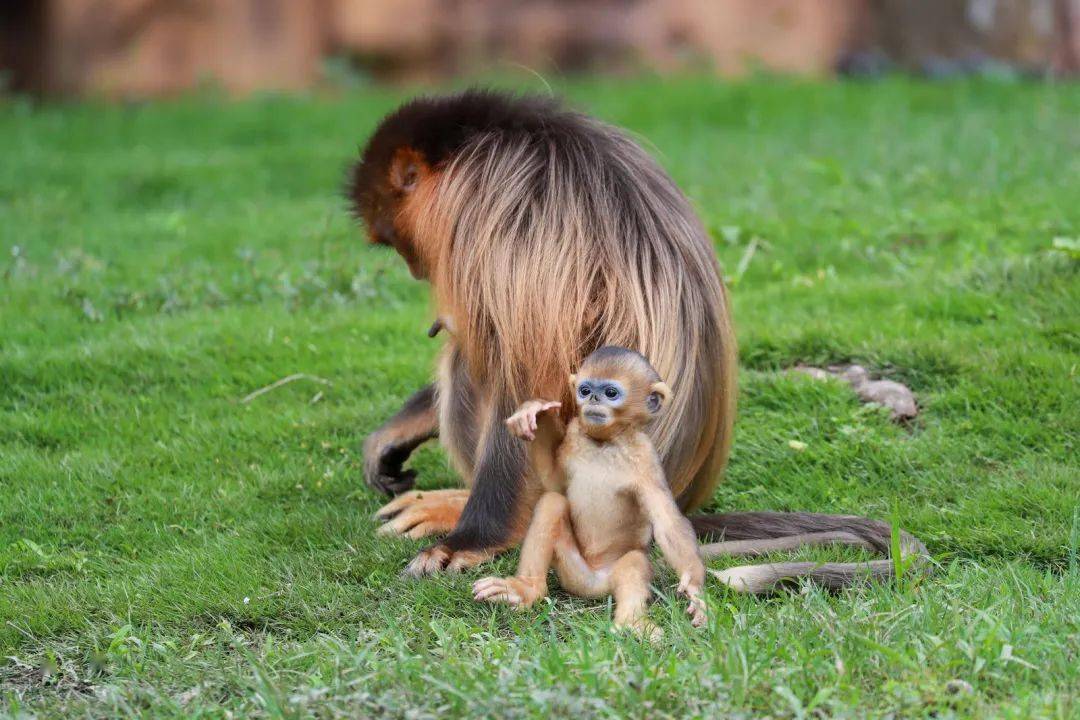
[{"x": 168, "y": 549}]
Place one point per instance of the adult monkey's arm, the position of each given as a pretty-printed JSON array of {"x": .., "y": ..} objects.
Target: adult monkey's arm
[
  {"x": 489, "y": 522},
  {"x": 387, "y": 449}
]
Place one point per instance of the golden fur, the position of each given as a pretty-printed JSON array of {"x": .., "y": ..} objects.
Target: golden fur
[
  {"x": 607, "y": 500},
  {"x": 526, "y": 249}
]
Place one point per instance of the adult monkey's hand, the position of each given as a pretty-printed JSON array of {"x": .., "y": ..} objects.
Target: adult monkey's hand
[{"x": 387, "y": 449}]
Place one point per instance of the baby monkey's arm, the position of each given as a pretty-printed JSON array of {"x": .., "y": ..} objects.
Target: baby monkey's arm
[
  {"x": 548, "y": 524},
  {"x": 544, "y": 431},
  {"x": 676, "y": 539}
]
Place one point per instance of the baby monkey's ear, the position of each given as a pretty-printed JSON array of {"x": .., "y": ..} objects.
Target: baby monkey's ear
[{"x": 659, "y": 394}]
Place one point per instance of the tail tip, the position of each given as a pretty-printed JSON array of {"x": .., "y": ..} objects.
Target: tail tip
[{"x": 753, "y": 579}]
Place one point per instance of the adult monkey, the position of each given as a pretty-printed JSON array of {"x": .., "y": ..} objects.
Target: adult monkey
[{"x": 546, "y": 234}]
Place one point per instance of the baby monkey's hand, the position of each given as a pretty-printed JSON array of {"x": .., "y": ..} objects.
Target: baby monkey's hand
[
  {"x": 692, "y": 590},
  {"x": 522, "y": 423}
]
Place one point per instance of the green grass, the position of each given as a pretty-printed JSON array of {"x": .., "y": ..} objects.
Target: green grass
[{"x": 165, "y": 549}]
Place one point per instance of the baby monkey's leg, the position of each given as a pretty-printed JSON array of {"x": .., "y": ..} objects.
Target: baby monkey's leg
[
  {"x": 550, "y": 526},
  {"x": 577, "y": 576},
  {"x": 630, "y": 576}
]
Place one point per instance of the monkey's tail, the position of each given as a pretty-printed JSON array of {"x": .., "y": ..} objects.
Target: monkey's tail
[{"x": 757, "y": 533}]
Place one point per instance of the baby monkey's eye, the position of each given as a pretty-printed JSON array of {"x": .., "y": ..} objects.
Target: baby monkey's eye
[
  {"x": 583, "y": 390},
  {"x": 611, "y": 393}
]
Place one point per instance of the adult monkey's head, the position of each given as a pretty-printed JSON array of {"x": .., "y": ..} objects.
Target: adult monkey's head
[{"x": 399, "y": 168}]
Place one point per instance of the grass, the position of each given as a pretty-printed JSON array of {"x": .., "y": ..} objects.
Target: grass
[{"x": 167, "y": 550}]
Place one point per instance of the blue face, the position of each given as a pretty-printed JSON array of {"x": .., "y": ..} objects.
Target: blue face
[{"x": 606, "y": 392}]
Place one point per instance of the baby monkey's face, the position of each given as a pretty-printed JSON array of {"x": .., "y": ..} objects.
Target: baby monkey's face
[
  {"x": 599, "y": 400},
  {"x": 616, "y": 389}
]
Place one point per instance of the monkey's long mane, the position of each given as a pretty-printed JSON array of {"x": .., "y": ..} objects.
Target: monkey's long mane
[{"x": 563, "y": 236}]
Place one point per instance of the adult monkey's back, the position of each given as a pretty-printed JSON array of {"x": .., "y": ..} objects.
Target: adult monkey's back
[{"x": 545, "y": 234}]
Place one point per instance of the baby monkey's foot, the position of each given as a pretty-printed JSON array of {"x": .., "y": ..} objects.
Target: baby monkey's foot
[
  {"x": 522, "y": 423},
  {"x": 696, "y": 609},
  {"x": 643, "y": 628},
  {"x": 515, "y": 591}
]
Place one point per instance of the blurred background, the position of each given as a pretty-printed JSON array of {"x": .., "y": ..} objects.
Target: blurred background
[{"x": 153, "y": 48}]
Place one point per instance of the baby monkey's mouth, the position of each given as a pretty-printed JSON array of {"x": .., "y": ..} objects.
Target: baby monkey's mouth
[{"x": 594, "y": 417}]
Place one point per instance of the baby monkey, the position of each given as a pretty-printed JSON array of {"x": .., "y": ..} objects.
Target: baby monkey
[{"x": 606, "y": 496}]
